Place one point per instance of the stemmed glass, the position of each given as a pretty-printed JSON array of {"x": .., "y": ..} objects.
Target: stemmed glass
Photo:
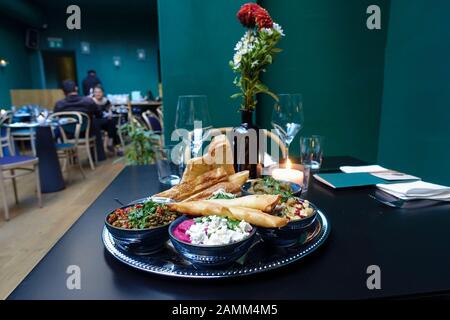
[
  {"x": 287, "y": 117},
  {"x": 193, "y": 115}
]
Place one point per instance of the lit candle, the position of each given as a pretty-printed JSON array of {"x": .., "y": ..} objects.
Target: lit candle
[{"x": 288, "y": 174}]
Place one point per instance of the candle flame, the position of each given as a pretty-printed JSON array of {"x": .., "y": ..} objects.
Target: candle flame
[{"x": 288, "y": 164}]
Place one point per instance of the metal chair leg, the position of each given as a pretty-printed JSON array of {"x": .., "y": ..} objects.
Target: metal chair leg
[
  {"x": 38, "y": 185},
  {"x": 5, "y": 199},
  {"x": 89, "y": 154},
  {"x": 16, "y": 198},
  {"x": 75, "y": 155},
  {"x": 67, "y": 165},
  {"x": 33, "y": 143}
]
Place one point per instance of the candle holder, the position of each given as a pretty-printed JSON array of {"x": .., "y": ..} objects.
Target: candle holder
[{"x": 289, "y": 172}]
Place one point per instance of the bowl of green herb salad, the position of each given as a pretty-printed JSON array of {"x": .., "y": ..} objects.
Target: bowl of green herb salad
[
  {"x": 268, "y": 185},
  {"x": 141, "y": 228}
]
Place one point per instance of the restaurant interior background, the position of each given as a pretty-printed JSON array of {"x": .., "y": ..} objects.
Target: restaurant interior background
[{"x": 366, "y": 91}]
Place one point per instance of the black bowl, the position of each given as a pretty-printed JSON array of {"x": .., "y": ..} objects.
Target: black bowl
[
  {"x": 203, "y": 256},
  {"x": 139, "y": 241},
  {"x": 290, "y": 233},
  {"x": 296, "y": 188}
]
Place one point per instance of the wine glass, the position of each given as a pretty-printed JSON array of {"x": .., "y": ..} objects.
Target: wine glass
[
  {"x": 287, "y": 117},
  {"x": 193, "y": 115}
]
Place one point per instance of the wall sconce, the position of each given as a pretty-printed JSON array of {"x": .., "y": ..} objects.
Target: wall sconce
[
  {"x": 3, "y": 63},
  {"x": 141, "y": 54},
  {"x": 85, "y": 48},
  {"x": 116, "y": 62}
]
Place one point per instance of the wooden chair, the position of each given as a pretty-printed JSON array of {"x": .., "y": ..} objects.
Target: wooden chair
[
  {"x": 85, "y": 140},
  {"x": 154, "y": 123},
  {"x": 12, "y": 166},
  {"x": 23, "y": 135},
  {"x": 68, "y": 151},
  {"x": 122, "y": 131},
  {"x": 28, "y": 134}
]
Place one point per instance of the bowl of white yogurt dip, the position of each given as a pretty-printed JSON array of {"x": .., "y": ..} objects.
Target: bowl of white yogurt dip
[{"x": 211, "y": 241}]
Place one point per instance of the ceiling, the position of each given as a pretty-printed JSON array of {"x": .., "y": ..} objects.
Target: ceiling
[{"x": 102, "y": 7}]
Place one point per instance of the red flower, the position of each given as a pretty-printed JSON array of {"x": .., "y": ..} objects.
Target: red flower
[
  {"x": 246, "y": 14},
  {"x": 263, "y": 19}
]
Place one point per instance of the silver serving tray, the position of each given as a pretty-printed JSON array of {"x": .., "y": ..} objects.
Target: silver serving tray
[{"x": 261, "y": 257}]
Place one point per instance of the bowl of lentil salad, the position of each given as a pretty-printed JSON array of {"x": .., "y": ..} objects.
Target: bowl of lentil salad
[{"x": 141, "y": 228}]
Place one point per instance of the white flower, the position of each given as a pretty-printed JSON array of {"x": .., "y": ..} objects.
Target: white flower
[
  {"x": 278, "y": 28},
  {"x": 237, "y": 60},
  {"x": 238, "y": 46},
  {"x": 269, "y": 31}
]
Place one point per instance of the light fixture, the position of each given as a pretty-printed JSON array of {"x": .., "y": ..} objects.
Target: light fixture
[
  {"x": 141, "y": 54},
  {"x": 116, "y": 62},
  {"x": 3, "y": 63},
  {"x": 85, "y": 47}
]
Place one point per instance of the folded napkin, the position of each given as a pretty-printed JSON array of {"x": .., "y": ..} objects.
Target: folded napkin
[
  {"x": 417, "y": 190},
  {"x": 380, "y": 172},
  {"x": 358, "y": 169}
]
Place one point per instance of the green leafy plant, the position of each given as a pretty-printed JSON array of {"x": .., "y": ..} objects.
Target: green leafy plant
[{"x": 143, "y": 146}]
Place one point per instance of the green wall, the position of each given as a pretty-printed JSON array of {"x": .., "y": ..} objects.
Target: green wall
[
  {"x": 415, "y": 121},
  {"x": 337, "y": 64},
  {"x": 12, "y": 48},
  {"x": 197, "y": 39},
  {"x": 112, "y": 34}
]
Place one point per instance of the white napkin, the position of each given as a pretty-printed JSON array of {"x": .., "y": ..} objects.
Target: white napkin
[
  {"x": 416, "y": 190},
  {"x": 379, "y": 171},
  {"x": 357, "y": 169}
]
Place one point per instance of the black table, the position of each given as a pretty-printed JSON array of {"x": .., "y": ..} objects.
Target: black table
[{"x": 410, "y": 247}]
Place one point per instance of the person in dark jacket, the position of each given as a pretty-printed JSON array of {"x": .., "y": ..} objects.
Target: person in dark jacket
[
  {"x": 74, "y": 102},
  {"x": 90, "y": 82}
]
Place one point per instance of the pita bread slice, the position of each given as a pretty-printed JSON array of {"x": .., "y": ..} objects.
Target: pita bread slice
[
  {"x": 219, "y": 155},
  {"x": 227, "y": 186},
  {"x": 188, "y": 188}
]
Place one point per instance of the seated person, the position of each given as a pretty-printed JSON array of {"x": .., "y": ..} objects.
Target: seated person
[
  {"x": 74, "y": 102},
  {"x": 106, "y": 123},
  {"x": 100, "y": 100}
]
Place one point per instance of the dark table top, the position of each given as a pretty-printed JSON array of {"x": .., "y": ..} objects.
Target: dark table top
[{"x": 409, "y": 246}]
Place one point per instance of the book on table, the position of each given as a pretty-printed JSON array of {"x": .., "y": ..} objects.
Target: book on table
[{"x": 362, "y": 176}]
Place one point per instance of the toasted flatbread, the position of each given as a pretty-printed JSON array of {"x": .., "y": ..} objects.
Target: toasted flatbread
[
  {"x": 263, "y": 202},
  {"x": 227, "y": 186},
  {"x": 203, "y": 181},
  {"x": 239, "y": 178},
  {"x": 219, "y": 155},
  {"x": 207, "y": 208}
]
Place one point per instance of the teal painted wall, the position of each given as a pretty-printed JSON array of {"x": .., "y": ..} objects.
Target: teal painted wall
[
  {"x": 337, "y": 64},
  {"x": 415, "y": 121},
  {"x": 12, "y": 48},
  {"x": 112, "y": 34},
  {"x": 197, "y": 39}
]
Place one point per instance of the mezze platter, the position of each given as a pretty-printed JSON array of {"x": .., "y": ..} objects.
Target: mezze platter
[{"x": 261, "y": 257}]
